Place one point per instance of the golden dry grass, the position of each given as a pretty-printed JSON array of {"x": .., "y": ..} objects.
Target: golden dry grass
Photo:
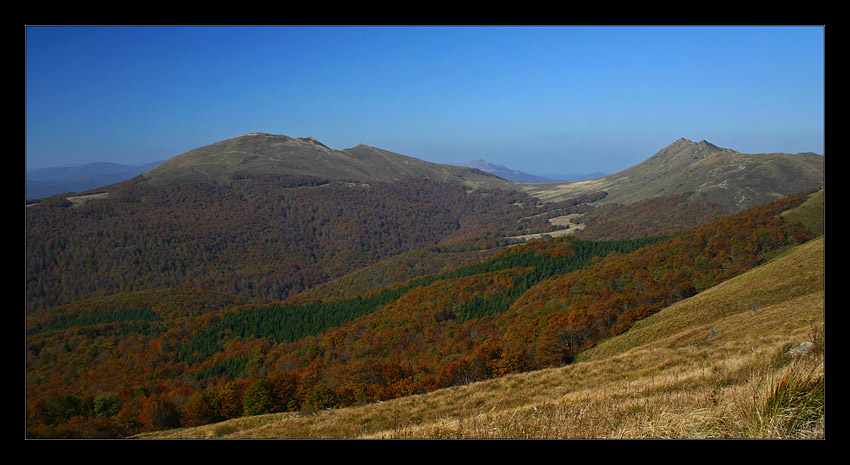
[{"x": 713, "y": 366}]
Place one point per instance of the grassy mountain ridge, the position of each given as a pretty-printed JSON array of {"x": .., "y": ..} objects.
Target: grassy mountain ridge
[
  {"x": 267, "y": 154},
  {"x": 731, "y": 179}
]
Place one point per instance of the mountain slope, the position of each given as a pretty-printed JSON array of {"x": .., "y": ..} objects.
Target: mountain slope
[
  {"x": 531, "y": 306},
  {"x": 701, "y": 368},
  {"x": 259, "y": 154},
  {"x": 264, "y": 222},
  {"x": 254, "y": 236},
  {"x": 732, "y": 179}
]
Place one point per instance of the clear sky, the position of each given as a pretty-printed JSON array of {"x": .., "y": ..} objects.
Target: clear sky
[{"x": 544, "y": 100}]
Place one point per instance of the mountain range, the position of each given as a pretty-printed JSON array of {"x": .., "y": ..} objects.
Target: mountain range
[
  {"x": 266, "y": 273},
  {"x": 732, "y": 179},
  {"x": 260, "y": 154},
  {"x": 44, "y": 182}
]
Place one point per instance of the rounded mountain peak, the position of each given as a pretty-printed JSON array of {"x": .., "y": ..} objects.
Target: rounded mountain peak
[{"x": 262, "y": 154}]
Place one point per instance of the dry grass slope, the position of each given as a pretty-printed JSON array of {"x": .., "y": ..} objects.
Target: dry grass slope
[
  {"x": 259, "y": 154},
  {"x": 717, "y": 365},
  {"x": 734, "y": 180}
]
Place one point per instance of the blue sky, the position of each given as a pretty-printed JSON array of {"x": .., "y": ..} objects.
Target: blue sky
[{"x": 543, "y": 100}]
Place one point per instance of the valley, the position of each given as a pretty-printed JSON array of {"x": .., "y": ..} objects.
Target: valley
[{"x": 267, "y": 274}]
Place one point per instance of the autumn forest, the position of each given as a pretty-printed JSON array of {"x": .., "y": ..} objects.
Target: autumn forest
[{"x": 182, "y": 305}]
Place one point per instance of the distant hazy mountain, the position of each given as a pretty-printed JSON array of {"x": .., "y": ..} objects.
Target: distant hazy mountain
[
  {"x": 519, "y": 176},
  {"x": 507, "y": 173},
  {"x": 45, "y": 182}
]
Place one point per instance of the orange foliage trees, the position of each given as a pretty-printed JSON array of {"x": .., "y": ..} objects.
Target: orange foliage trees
[{"x": 530, "y": 306}]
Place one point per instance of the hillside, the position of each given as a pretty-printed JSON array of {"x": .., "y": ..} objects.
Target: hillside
[
  {"x": 267, "y": 237},
  {"x": 260, "y": 154},
  {"x": 532, "y": 306},
  {"x": 734, "y": 180},
  {"x": 260, "y": 274},
  {"x": 196, "y": 215},
  {"x": 715, "y": 365}
]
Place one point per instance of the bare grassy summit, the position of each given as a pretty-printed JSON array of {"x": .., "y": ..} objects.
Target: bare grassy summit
[
  {"x": 744, "y": 359},
  {"x": 734, "y": 180},
  {"x": 260, "y": 154}
]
